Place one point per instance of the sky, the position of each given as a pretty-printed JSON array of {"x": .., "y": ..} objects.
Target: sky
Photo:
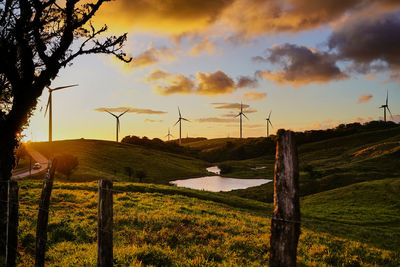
[{"x": 314, "y": 64}]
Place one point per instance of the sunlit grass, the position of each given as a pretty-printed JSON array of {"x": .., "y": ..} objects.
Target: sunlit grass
[{"x": 160, "y": 229}]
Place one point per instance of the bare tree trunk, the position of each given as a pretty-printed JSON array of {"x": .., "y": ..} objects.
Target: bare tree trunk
[
  {"x": 285, "y": 226},
  {"x": 43, "y": 216},
  {"x": 7, "y": 145},
  {"x": 12, "y": 224}
]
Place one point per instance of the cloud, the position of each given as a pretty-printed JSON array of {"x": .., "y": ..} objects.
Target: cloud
[
  {"x": 253, "y": 96},
  {"x": 246, "y": 81},
  {"x": 171, "y": 83},
  {"x": 301, "y": 65},
  {"x": 171, "y": 17},
  {"x": 228, "y": 105},
  {"x": 215, "y": 120},
  {"x": 364, "y": 98},
  {"x": 205, "y": 46},
  {"x": 214, "y": 83},
  {"x": 130, "y": 110},
  {"x": 153, "y": 121},
  {"x": 371, "y": 44},
  {"x": 242, "y": 18},
  {"x": 151, "y": 56},
  {"x": 208, "y": 84}
]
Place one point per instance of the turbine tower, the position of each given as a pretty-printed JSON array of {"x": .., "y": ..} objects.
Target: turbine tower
[
  {"x": 169, "y": 135},
  {"x": 269, "y": 123},
  {"x": 386, "y": 106},
  {"x": 49, "y": 107},
  {"x": 180, "y": 125},
  {"x": 241, "y": 114},
  {"x": 117, "y": 117}
]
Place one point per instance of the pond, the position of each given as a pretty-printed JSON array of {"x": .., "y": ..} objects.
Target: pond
[{"x": 218, "y": 183}]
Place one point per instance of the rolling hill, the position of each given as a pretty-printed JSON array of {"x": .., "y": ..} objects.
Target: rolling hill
[{"x": 106, "y": 159}]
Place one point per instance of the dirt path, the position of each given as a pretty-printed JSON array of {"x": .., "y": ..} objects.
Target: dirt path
[{"x": 36, "y": 157}]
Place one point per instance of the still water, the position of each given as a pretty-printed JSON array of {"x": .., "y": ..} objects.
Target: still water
[{"x": 218, "y": 183}]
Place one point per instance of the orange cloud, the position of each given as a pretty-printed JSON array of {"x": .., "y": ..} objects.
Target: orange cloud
[
  {"x": 252, "y": 96},
  {"x": 364, "y": 98},
  {"x": 216, "y": 120},
  {"x": 130, "y": 110},
  {"x": 152, "y": 121},
  {"x": 214, "y": 83},
  {"x": 205, "y": 46},
  {"x": 208, "y": 84}
]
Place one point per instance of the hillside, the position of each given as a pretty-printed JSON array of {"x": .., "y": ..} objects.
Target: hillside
[
  {"x": 153, "y": 228},
  {"x": 330, "y": 164},
  {"x": 106, "y": 159}
]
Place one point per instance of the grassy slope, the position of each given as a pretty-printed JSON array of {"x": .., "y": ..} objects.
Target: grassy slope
[
  {"x": 153, "y": 228},
  {"x": 105, "y": 159},
  {"x": 336, "y": 162}
]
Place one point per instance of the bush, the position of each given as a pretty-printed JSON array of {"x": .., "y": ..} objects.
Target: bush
[{"x": 66, "y": 164}]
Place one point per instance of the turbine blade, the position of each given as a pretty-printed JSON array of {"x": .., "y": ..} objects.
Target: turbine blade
[
  {"x": 123, "y": 113},
  {"x": 270, "y": 123},
  {"x": 177, "y": 121},
  {"x": 112, "y": 114},
  {"x": 387, "y": 96},
  {"x": 179, "y": 112},
  {"x": 269, "y": 114},
  {"x": 185, "y": 119},
  {"x": 237, "y": 115},
  {"x": 390, "y": 112},
  {"x": 245, "y": 116},
  {"x": 63, "y": 87},
  {"x": 47, "y": 106}
]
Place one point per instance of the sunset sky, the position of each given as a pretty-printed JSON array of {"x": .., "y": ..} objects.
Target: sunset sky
[{"x": 314, "y": 63}]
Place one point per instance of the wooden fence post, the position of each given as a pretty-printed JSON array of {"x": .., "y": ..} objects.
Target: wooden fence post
[
  {"x": 43, "y": 214},
  {"x": 12, "y": 224},
  {"x": 105, "y": 224},
  {"x": 285, "y": 222}
]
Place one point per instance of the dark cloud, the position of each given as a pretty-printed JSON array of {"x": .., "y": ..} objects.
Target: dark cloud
[
  {"x": 246, "y": 81},
  {"x": 372, "y": 45},
  {"x": 301, "y": 65},
  {"x": 214, "y": 83},
  {"x": 130, "y": 110}
]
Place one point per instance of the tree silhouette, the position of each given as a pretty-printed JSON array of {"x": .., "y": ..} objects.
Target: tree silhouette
[
  {"x": 67, "y": 164},
  {"x": 35, "y": 43}
]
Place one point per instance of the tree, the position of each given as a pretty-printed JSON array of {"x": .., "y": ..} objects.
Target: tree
[
  {"x": 35, "y": 43},
  {"x": 66, "y": 164}
]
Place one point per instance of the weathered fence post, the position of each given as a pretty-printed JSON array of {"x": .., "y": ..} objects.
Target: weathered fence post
[
  {"x": 285, "y": 222},
  {"x": 12, "y": 224},
  {"x": 105, "y": 224},
  {"x": 43, "y": 214}
]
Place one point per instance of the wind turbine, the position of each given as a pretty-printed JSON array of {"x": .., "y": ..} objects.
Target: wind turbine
[
  {"x": 49, "y": 107},
  {"x": 117, "y": 117},
  {"x": 180, "y": 125},
  {"x": 386, "y": 106},
  {"x": 169, "y": 135},
  {"x": 269, "y": 122},
  {"x": 241, "y": 114}
]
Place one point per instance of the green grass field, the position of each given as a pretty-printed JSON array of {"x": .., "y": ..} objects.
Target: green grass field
[
  {"x": 335, "y": 163},
  {"x": 106, "y": 159},
  {"x": 166, "y": 226}
]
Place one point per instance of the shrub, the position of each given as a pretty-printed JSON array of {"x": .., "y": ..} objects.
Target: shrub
[
  {"x": 140, "y": 174},
  {"x": 225, "y": 168}
]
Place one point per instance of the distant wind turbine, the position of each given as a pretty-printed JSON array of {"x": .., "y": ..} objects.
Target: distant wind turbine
[
  {"x": 169, "y": 135},
  {"x": 386, "y": 106},
  {"x": 269, "y": 123},
  {"x": 241, "y": 114},
  {"x": 180, "y": 125},
  {"x": 49, "y": 107},
  {"x": 117, "y": 117}
]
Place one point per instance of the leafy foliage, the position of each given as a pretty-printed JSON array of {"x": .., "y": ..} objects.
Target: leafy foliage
[{"x": 66, "y": 164}]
